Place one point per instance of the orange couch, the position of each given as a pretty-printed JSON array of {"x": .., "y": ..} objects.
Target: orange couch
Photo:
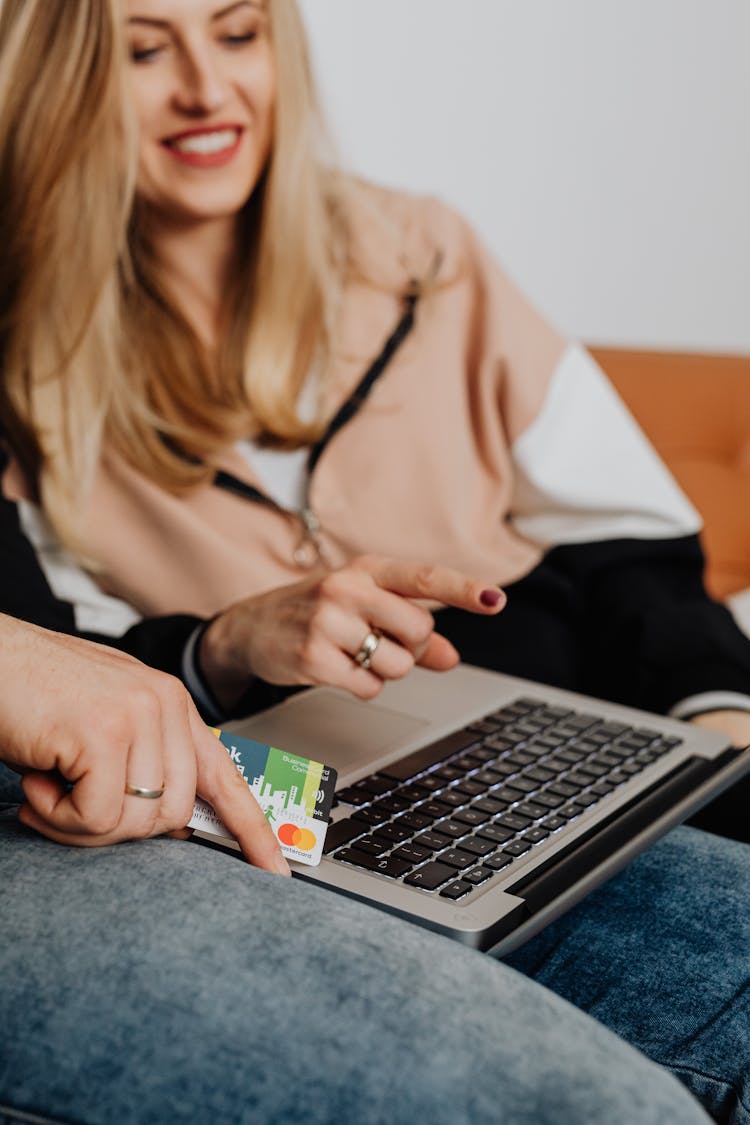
[{"x": 696, "y": 411}]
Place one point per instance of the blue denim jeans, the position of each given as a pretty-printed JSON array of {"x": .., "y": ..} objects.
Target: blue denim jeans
[{"x": 162, "y": 982}]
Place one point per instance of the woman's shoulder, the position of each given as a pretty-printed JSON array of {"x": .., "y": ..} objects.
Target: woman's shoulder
[{"x": 391, "y": 230}]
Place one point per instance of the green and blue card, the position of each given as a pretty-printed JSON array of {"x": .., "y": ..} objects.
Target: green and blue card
[{"x": 296, "y": 795}]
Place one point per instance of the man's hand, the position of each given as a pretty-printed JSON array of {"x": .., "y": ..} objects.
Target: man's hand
[{"x": 82, "y": 722}]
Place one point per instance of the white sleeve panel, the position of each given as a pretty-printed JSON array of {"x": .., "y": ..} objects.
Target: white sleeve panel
[
  {"x": 94, "y": 611},
  {"x": 585, "y": 472}
]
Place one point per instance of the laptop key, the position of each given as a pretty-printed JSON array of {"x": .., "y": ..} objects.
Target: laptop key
[
  {"x": 613, "y": 728},
  {"x": 433, "y": 809},
  {"x": 528, "y": 808},
  {"x": 431, "y": 783},
  {"x": 570, "y": 812},
  {"x": 607, "y": 760},
  {"x": 496, "y": 862},
  {"x": 470, "y": 787},
  {"x": 552, "y": 823},
  {"x": 411, "y": 793},
  {"x": 375, "y": 785},
  {"x": 478, "y": 846},
  {"x": 448, "y": 773},
  {"x": 431, "y": 841},
  {"x": 556, "y": 713},
  {"x": 538, "y": 773},
  {"x": 514, "y": 821},
  {"x": 412, "y": 820},
  {"x": 496, "y": 771},
  {"x": 484, "y": 726},
  {"x": 452, "y": 829},
  {"x": 449, "y": 799},
  {"x": 386, "y": 865},
  {"x": 509, "y": 794},
  {"x": 494, "y": 833},
  {"x": 518, "y": 847},
  {"x": 535, "y": 835},
  {"x": 458, "y": 859},
  {"x": 456, "y": 890},
  {"x": 633, "y": 742},
  {"x": 593, "y": 769},
  {"x": 413, "y": 853},
  {"x": 551, "y": 800},
  {"x": 518, "y": 758},
  {"x": 478, "y": 875},
  {"x": 391, "y": 832},
  {"x": 568, "y": 788},
  {"x": 576, "y": 778},
  {"x": 483, "y": 754},
  {"x": 371, "y": 847},
  {"x": 353, "y": 796},
  {"x": 489, "y": 805},
  {"x": 499, "y": 744},
  {"x": 631, "y": 767},
  {"x": 468, "y": 762},
  {"x": 391, "y": 805},
  {"x": 524, "y": 784},
  {"x": 471, "y": 816},
  {"x": 342, "y": 832},
  {"x": 582, "y": 722},
  {"x": 371, "y": 816},
  {"x": 568, "y": 754},
  {"x": 535, "y": 749},
  {"x": 431, "y": 876}
]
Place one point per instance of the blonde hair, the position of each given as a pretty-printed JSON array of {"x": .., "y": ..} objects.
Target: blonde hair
[{"x": 91, "y": 348}]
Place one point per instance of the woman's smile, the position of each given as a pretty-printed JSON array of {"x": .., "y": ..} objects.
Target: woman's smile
[{"x": 207, "y": 147}]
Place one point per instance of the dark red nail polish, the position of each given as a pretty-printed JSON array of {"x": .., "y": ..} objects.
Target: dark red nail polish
[{"x": 490, "y": 597}]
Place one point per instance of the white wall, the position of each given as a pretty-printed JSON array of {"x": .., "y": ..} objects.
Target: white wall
[{"x": 601, "y": 146}]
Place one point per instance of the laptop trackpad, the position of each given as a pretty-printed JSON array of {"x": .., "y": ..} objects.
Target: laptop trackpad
[{"x": 330, "y": 727}]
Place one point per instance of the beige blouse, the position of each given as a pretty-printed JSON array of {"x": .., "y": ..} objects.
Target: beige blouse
[{"x": 488, "y": 438}]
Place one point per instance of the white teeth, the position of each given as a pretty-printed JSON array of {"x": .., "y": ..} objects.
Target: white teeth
[{"x": 206, "y": 143}]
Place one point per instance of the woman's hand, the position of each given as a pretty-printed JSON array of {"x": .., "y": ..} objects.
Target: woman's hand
[
  {"x": 311, "y": 631},
  {"x": 82, "y": 722},
  {"x": 734, "y": 724}
]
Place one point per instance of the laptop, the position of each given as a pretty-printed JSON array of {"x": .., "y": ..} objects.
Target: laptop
[{"x": 483, "y": 806}]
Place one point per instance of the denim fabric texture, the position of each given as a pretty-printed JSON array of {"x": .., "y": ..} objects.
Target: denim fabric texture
[
  {"x": 162, "y": 982},
  {"x": 674, "y": 928}
]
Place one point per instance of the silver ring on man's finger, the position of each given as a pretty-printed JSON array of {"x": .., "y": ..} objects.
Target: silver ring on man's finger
[
  {"x": 366, "y": 650},
  {"x": 149, "y": 794}
]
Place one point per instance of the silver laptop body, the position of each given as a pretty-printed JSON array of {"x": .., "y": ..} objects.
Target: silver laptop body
[{"x": 416, "y": 732}]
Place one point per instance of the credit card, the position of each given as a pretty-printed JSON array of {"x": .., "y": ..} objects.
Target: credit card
[{"x": 296, "y": 795}]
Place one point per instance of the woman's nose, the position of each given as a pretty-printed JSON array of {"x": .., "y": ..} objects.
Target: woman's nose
[{"x": 202, "y": 87}]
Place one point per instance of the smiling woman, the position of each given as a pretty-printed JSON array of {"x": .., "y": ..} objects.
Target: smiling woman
[
  {"x": 203, "y": 85},
  {"x": 230, "y": 373}
]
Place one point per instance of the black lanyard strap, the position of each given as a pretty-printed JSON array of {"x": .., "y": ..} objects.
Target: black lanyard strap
[
  {"x": 348, "y": 409},
  {"x": 309, "y": 550},
  {"x": 358, "y": 396}
]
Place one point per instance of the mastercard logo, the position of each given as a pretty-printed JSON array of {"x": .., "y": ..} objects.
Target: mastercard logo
[{"x": 295, "y": 837}]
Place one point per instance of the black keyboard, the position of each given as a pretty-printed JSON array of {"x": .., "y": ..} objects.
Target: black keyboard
[{"x": 452, "y": 815}]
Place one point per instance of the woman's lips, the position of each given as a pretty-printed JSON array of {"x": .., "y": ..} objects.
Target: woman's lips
[{"x": 205, "y": 148}]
